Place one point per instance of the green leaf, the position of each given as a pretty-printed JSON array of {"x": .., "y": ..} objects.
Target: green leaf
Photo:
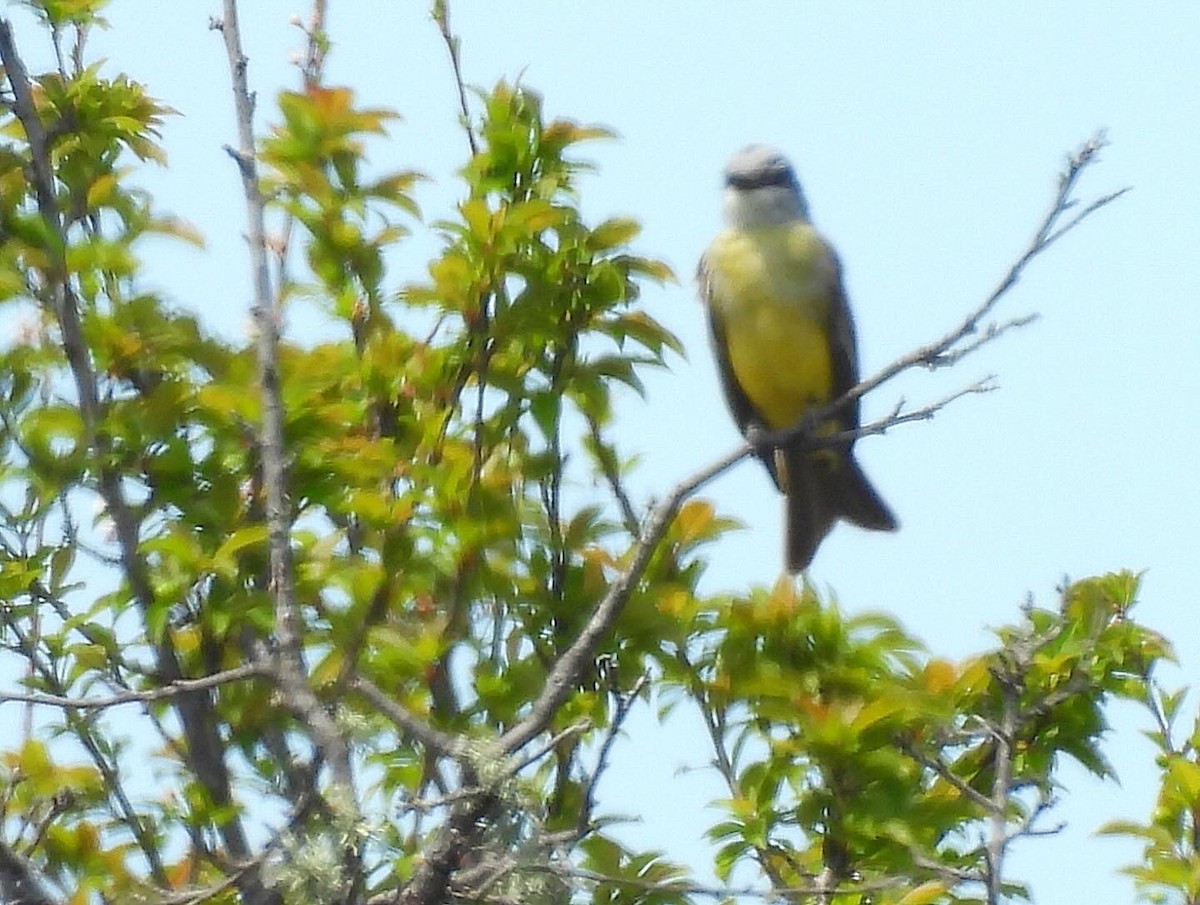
[
  {"x": 930, "y": 891},
  {"x": 613, "y": 233},
  {"x": 225, "y": 559}
]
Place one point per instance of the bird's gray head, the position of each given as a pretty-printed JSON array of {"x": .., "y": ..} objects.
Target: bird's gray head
[{"x": 761, "y": 189}]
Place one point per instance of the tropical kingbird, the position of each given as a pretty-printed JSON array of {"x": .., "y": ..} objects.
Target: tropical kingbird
[{"x": 784, "y": 341}]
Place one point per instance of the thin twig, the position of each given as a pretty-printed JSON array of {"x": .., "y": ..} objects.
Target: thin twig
[
  {"x": 947, "y": 350},
  {"x": 425, "y": 805},
  {"x": 311, "y": 73},
  {"x": 938, "y": 766},
  {"x": 314, "y": 52},
  {"x": 411, "y": 725},
  {"x": 990, "y": 333},
  {"x": 173, "y": 689},
  {"x": 606, "y": 459},
  {"x": 567, "y": 669},
  {"x": 441, "y": 16},
  {"x": 291, "y": 672},
  {"x": 714, "y": 722},
  {"x": 625, "y": 702},
  {"x": 684, "y": 888},
  {"x": 577, "y": 728},
  {"x": 1165, "y": 726},
  {"x": 947, "y": 871},
  {"x": 899, "y": 416}
]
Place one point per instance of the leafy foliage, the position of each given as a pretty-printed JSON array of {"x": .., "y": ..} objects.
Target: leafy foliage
[
  {"x": 853, "y": 756},
  {"x": 1170, "y": 866}
]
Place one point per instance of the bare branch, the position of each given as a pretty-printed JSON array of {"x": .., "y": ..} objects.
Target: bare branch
[
  {"x": 576, "y": 728},
  {"x": 933, "y": 354},
  {"x": 681, "y": 887},
  {"x": 441, "y": 16},
  {"x": 949, "y": 349},
  {"x": 173, "y": 689},
  {"x": 899, "y": 416},
  {"x": 568, "y": 668},
  {"x": 291, "y": 672},
  {"x": 990, "y": 332},
  {"x": 607, "y": 461},
  {"x": 1086, "y": 212},
  {"x": 1027, "y": 828},
  {"x": 311, "y": 73},
  {"x": 938, "y": 766},
  {"x": 624, "y": 707},
  {"x": 411, "y": 725},
  {"x": 19, "y": 883},
  {"x": 317, "y": 44}
]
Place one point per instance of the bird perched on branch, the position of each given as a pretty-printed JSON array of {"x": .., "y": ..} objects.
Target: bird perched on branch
[{"x": 784, "y": 342}]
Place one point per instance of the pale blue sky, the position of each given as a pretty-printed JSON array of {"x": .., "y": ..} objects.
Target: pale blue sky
[{"x": 928, "y": 137}]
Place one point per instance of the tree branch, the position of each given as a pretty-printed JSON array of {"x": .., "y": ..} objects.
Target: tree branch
[
  {"x": 316, "y": 45},
  {"x": 171, "y": 690},
  {"x": 624, "y": 704},
  {"x": 411, "y": 725},
  {"x": 25, "y": 109},
  {"x": 683, "y": 888},
  {"x": 430, "y": 882},
  {"x": 607, "y": 460},
  {"x": 441, "y": 16},
  {"x": 290, "y": 670},
  {"x": 938, "y": 766},
  {"x": 19, "y": 883},
  {"x": 998, "y": 838},
  {"x": 714, "y": 722},
  {"x": 568, "y": 668},
  {"x": 205, "y": 752},
  {"x": 949, "y": 349}
]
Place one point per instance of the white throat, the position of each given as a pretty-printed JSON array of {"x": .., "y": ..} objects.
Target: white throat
[{"x": 768, "y": 205}]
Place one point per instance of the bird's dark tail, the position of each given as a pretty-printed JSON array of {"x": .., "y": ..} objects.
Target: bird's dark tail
[
  {"x": 808, "y": 517},
  {"x": 820, "y": 488},
  {"x": 857, "y": 501}
]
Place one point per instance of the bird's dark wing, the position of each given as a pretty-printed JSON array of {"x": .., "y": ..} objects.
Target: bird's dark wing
[
  {"x": 745, "y": 415},
  {"x": 847, "y": 492},
  {"x": 843, "y": 347}
]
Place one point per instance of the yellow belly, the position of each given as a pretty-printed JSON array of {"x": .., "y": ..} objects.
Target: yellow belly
[
  {"x": 781, "y": 361},
  {"x": 774, "y": 288}
]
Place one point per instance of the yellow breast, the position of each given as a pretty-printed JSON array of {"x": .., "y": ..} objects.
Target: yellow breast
[{"x": 773, "y": 288}]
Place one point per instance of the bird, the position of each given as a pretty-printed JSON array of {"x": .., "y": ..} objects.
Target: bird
[{"x": 784, "y": 341}]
